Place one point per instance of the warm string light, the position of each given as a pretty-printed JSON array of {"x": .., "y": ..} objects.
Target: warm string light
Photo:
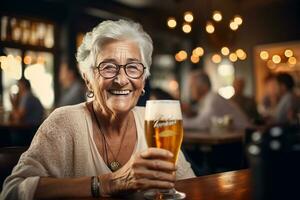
[
  {"x": 181, "y": 56},
  {"x": 186, "y": 28},
  {"x": 287, "y": 56},
  {"x": 171, "y": 22},
  {"x": 276, "y": 59},
  {"x": 225, "y": 51},
  {"x": 238, "y": 20},
  {"x": 288, "y": 53},
  {"x": 198, "y": 51},
  {"x": 188, "y": 16},
  {"x": 238, "y": 54},
  {"x": 292, "y": 60},
  {"x": 233, "y": 57},
  {"x": 233, "y": 25},
  {"x": 241, "y": 54},
  {"x": 264, "y": 55},
  {"x": 196, "y": 54},
  {"x": 217, "y": 16},
  {"x": 210, "y": 29},
  {"x": 216, "y": 58},
  {"x": 194, "y": 58}
]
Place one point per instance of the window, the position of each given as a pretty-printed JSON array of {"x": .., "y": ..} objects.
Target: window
[{"x": 28, "y": 45}]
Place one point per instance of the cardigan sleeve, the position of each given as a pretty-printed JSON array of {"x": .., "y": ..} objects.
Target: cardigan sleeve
[{"x": 48, "y": 156}]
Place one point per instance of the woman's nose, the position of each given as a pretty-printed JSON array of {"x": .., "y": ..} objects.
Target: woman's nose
[{"x": 121, "y": 77}]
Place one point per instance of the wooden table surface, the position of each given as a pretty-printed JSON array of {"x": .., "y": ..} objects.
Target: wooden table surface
[
  {"x": 234, "y": 185},
  {"x": 228, "y": 185}
]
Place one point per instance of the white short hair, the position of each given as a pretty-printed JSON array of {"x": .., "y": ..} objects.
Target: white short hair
[{"x": 113, "y": 30}]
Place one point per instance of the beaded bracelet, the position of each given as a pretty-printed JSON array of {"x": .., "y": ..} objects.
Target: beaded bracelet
[{"x": 95, "y": 183}]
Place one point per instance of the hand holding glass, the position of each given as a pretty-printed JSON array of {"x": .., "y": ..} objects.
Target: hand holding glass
[{"x": 163, "y": 129}]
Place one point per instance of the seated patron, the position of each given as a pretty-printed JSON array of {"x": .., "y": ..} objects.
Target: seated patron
[
  {"x": 245, "y": 103},
  {"x": 27, "y": 108},
  {"x": 288, "y": 107},
  {"x": 73, "y": 91},
  {"x": 268, "y": 105},
  {"x": 211, "y": 105},
  {"x": 98, "y": 148}
]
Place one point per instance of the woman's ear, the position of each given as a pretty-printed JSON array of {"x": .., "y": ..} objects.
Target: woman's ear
[{"x": 87, "y": 82}]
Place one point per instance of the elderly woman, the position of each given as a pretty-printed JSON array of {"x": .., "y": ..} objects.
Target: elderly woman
[{"x": 98, "y": 148}]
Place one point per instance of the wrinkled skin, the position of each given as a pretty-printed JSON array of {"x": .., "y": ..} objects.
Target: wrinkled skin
[{"x": 149, "y": 169}]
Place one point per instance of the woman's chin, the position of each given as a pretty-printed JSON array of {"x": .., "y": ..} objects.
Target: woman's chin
[
  {"x": 120, "y": 105},
  {"x": 120, "y": 109}
]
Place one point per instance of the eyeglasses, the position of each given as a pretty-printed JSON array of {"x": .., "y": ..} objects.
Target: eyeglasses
[{"x": 110, "y": 70}]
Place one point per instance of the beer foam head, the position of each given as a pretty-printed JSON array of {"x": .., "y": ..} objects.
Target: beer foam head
[{"x": 163, "y": 110}]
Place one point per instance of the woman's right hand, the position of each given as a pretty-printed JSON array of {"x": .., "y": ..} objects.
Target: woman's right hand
[{"x": 149, "y": 169}]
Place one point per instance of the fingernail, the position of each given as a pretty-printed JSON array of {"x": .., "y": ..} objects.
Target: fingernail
[
  {"x": 143, "y": 154},
  {"x": 170, "y": 154}
]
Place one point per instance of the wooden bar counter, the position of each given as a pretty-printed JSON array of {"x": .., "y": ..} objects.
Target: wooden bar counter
[{"x": 226, "y": 186}]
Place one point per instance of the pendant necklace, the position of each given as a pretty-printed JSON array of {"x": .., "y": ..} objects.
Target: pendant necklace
[{"x": 115, "y": 164}]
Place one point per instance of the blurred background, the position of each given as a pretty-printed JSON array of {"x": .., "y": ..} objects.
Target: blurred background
[
  {"x": 247, "y": 39},
  {"x": 228, "y": 38}
]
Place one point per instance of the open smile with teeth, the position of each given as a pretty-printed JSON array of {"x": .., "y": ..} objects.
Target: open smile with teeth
[{"x": 119, "y": 92}]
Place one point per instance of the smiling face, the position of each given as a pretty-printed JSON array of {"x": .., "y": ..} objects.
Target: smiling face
[{"x": 120, "y": 94}]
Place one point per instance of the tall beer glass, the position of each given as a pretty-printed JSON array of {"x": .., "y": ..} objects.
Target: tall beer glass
[{"x": 163, "y": 129}]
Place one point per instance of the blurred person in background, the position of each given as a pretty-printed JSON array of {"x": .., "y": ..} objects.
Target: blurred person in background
[
  {"x": 288, "y": 107},
  {"x": 73, "y": 90},
  {"x": 26, "y": 108},
  {"x": 247, "y": 104},
  {"x": 270, "y": 99},
  {"x": 98, "y": 148},
  {"x": 211, "y": 105}
]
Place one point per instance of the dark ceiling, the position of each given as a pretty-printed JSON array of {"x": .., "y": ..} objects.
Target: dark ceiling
[{"x": 154, "y": 13}]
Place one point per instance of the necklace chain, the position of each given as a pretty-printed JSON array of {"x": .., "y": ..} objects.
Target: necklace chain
[{"x": 115, "y": 164}]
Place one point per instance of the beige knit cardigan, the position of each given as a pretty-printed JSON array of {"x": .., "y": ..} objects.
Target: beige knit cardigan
[{"x": 64, "y": 147}]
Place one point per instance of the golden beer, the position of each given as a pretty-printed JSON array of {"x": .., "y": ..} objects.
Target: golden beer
[
  {"x": 165, "y": 134},
  {"x": 163, "y": 125}
]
